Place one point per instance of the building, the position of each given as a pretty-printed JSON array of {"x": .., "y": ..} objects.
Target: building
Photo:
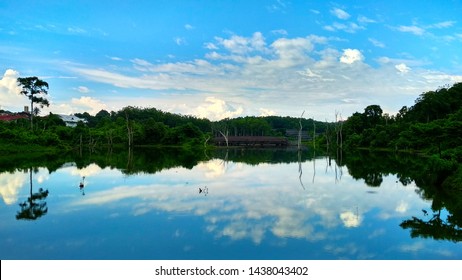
[
  {"x": 71, "y": 120},
  {"x": 8, "y": 116}
]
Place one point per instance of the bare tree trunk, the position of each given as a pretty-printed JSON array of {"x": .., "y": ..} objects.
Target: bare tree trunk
[
  {"x": 341, "y": 136},
  {"x": 206, "y": 140},
  {"x": 129, "y": 131},
  {"x": 314, "y": 135},
  {"x": 336, "y": 128},
  {"x": 225, "y": 136},
  {"x": 327, "y": 136},
  {"x": 300, "y": 131},
  {"x": 31, "y": 115}
]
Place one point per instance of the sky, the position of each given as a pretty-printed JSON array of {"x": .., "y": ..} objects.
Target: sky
[{"x": 226, "y": 59}]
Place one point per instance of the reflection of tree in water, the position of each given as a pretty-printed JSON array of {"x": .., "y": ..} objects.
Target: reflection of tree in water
[
  {"x": 432, "y": 185},
  {"x": 373, "y": 179},
  {"x": 434, "y": 228},
  {"x": 35, "y": 206}
]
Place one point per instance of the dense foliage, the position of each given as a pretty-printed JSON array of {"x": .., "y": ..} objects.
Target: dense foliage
[
  {"x": 143, "y": 126},
  {"x": 433, "y": 125}
]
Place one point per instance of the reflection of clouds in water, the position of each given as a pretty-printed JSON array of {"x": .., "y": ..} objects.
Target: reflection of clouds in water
[
  {"x": 414, "y": 247},
  {"x": 377, "y": 233},
  {"x": 350, "y": 219},
  {"x": 402, "y": 207},
  {"x": 419, "y": 247},
  {"x": 10, "y": 184},
  {"x": 43, "y": 177},
  {"x": 213, "y": 168},
  {"x": 89, "y": 170},
  {"x": 252, "y": 201}
]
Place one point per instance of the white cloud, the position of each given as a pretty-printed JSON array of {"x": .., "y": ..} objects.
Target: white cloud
[
  {"x": 217, "y": 109},
  {"x": 210, "y": 46},
  {"x": 351, "y": 56},
  {"x": 363, "y": 19},
  {"x": 180, "y": 41},
  {"x": 339, "y": 13},
  {"x": 240, "y": 45},
  {"x": 280, "y": 32},
  {"x": 349, "y": 27},
  {"x": 10, "y": 97},
  {"x": 188, "y": 26},
  {"x": 76, "y": 30},
  {"x": 277, "y": 6},
  {"x": 443, "y": 24},
  {"x": 412, "y": 29},
  {"x": 115, "y": 58},
  {"x": 83, "y": 89},
  {"x": 88, "y": 104},
  {"x": 264, "y": 112},
  {"x": 377, "y": 43},
  {"x": 252, "y": 73},
  {"x": 402, "y": 68},
  {"x": 292, "y": 51}
]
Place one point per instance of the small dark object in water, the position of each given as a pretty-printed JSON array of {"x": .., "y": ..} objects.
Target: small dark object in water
[{"x": 205, "y": 190}]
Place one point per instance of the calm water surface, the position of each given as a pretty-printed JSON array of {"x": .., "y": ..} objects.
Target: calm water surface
[{"x": 236, "y": 206}]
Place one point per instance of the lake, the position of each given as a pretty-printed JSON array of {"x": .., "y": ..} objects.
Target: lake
[{"x": 226, "y": 204}]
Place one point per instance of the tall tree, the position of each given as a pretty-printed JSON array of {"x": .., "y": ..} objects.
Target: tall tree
[{"x": 35, "y": 89}]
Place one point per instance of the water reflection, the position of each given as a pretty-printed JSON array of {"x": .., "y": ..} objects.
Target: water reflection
[
  {"x": 35, "y": 206},
  {"x": 434, "y": 227},
  {"x": 251, "y": 203}
]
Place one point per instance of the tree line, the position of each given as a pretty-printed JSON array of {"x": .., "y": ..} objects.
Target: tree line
[{"x": 431, "y": 125}]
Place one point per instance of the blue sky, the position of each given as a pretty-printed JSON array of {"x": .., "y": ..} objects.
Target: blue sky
[{"x": 220, "y": 59}]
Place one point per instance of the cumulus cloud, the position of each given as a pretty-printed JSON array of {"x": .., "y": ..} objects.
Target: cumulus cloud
[
  {"x": 292, "y": 51},
  {"x": 264, "y": 112},
  {"x": 255, "y": 73},
  {"x": 350, "y": 56},
  {"x": 402, "y": 68},
  {"x": 88, "y": 104},
  {"x": 10, "y": 97},
  {"x": 217, "y": 109}
]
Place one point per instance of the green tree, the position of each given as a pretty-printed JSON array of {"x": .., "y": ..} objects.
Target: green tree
[
  {"x": 373, "y": 115},
  {"x": 34, "y": 89}
]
